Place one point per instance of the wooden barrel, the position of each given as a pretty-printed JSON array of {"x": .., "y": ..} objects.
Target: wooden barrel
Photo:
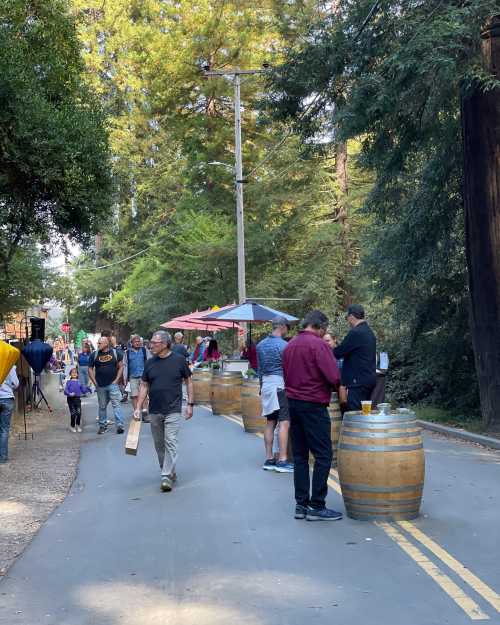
[
  {"x": 381, "y": 466},
  {"x": 251, "y": 407},
  {"x": 226, "y": 392},
  {"x": 202, "y": 385},
  {"x": 335, "y": 425}
]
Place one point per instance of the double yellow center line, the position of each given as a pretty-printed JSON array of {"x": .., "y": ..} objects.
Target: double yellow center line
[
  {"x": 468, "y": 605},
  {"x": 396, "y": 532}
]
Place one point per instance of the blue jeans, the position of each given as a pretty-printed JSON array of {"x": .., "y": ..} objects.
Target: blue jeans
[
  {"x": 83, "y": 375},
  {"x": 106, "y": 394},
  {"x": 6, "y": 410}
]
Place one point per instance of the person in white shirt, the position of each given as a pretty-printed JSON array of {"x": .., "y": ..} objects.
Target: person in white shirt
[{"x": 7, "y": 389}]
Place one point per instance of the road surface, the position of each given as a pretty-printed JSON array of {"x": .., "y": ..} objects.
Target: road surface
[{"x": 223, "y": 547}]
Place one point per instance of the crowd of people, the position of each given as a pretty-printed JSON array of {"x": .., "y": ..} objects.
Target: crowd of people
[{"x": 297, "y": 378}]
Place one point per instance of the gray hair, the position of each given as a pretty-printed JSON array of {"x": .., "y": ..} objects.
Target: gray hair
[
  {"x": 135, "y": 336},
  {"x": 178, "y": 335},
  {"x": 165, "y": 337}
]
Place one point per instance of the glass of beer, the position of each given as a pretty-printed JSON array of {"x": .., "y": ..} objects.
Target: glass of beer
[{"x": 366, "y": 406}]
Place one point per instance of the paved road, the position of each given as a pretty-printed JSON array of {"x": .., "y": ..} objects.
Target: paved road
[{"x": 223, "y": 548}]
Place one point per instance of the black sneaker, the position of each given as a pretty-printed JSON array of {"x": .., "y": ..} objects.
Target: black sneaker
[
  {"x": 300, "y": 511},
  {"x": 124, "y": 399},
  {"x": 269, "y": 465},
  {"x": 102, "y": 429},
  {"x": 119, "y": 430},
  {"x": 325, "y": 514},
  {"x": 166, "y": 484}
]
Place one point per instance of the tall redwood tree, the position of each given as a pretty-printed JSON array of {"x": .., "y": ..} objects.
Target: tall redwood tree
[{"x": 481, "y": 143}]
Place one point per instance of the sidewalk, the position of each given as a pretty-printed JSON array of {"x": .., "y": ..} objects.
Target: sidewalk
[{"x": 37, "y": 477}]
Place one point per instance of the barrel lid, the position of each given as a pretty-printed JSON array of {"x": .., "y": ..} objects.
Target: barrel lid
[{"x": 376, "y": 417}]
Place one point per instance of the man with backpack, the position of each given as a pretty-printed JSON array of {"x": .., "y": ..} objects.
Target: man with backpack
[
  {"x": 136, "y": 359},
  {"x": 105, "y": 372}
]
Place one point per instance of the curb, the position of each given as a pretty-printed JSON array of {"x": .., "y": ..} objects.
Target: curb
[{"x": 487, "y": 441}]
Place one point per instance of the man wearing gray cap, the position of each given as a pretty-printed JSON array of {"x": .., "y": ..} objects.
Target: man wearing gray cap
[
  {"x": 274, "y": 401},
  {"x": 359, "y": 351}
]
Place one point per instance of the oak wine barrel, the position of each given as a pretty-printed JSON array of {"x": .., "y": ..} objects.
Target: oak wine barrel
[
  {"x": 251, "y": 407},
  {"x": 202, "y": 385},
  {"x": 335, "y": 415},
  {"x": 226, "y": 392},
  {"x": 381, "y": 466}
]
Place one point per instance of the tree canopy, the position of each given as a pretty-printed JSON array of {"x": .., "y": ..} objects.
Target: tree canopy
[{"x": 55, "y": 177}]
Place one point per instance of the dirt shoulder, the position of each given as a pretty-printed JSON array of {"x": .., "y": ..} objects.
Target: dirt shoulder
[{"x": 36, "y": 479}]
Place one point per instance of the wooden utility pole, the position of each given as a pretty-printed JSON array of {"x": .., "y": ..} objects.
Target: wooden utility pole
[
  {"x": 481, "y": 147},
  {"x": 238, "y": 169}
]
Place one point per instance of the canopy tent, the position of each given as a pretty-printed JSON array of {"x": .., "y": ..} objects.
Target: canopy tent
[{"x": 247, "y": 312}]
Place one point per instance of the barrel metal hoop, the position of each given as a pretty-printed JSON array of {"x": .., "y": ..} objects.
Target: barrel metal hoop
[
  {"x": 380, "y": 447},
  {"x": 407, "y": 515},
  {"x": 408, "y": 434},
  {"x": 412, "y": 425},
  {"x": 381, "y": 489},
  {"x": 376, "y": 503},
  {"x": 378, "y": 418}
]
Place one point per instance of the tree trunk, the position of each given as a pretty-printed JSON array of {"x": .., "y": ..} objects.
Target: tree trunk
[
  {"x": 343, "y": 219},
  {"x": 481, "y": 146}
]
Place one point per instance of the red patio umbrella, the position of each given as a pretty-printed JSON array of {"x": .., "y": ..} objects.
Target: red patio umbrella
[{"x": 195, "y": 321}]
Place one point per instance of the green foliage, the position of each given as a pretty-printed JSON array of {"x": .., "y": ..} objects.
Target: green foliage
[
  {"x": 168, "y": 123},
  {"x": 24, "y": 282},
  {"x": 396, "y": 86},
  {"x": 54, "y": 170}
]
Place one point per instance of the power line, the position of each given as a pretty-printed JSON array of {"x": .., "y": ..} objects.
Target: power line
[
  {"x": 287, "y": 135},
  {"x": 371, "y": 13},
  {"x": 117, "y": 262}
]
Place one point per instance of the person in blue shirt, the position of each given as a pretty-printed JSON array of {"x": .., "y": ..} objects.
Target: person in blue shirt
[
  {"x": 136, "y": 360},
  {"x": 273, "y": 398},
  {"x": 83, "y": 364}
]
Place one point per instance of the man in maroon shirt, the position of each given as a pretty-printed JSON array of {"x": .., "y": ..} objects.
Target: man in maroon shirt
[{"x": 311, "y": 374}]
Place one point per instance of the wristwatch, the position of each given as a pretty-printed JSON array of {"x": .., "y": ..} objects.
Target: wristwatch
[{"x": 190, "y": 403}]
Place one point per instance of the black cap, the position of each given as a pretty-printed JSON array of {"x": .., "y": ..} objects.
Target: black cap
[{"x": 356, "y": 310}]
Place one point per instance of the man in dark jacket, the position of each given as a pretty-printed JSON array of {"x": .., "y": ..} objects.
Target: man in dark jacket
[
  {"x": 359, "y": 352},
  {"x": 311, "y": 374}
]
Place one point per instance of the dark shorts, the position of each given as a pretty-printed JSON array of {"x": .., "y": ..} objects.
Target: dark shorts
[{"x": 282, "y": 414}]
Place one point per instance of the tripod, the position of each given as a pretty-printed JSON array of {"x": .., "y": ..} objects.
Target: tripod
[{"x": 37, "y": 394}]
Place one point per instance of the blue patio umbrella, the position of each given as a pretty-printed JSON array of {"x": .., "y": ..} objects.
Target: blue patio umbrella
[{"x": 249, "y": 312}]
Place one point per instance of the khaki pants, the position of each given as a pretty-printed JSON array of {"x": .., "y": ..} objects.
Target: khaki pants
[{"x": 165, "y": 429}]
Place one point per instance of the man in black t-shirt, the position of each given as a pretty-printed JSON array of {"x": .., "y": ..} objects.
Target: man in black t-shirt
[
  {"x": 105, "y": 372},
  {"x": 162, "y": 379}
]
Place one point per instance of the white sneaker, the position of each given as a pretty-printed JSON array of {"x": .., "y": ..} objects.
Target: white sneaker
[
  {"x": 78, "y": 429},
  {"x": 97, "y": 418},
  {"x": 73, "y": 430}
]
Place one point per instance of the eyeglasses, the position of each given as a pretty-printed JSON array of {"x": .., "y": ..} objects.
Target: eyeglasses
[{"x": 155, "y": 342}]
